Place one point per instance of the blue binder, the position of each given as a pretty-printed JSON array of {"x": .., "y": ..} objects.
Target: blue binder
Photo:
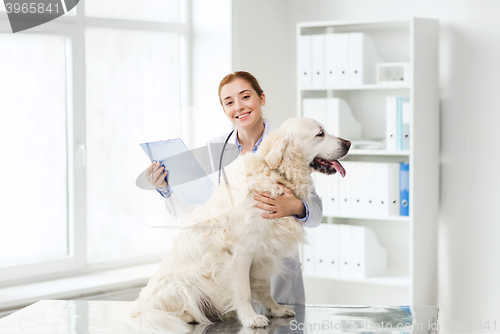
[
  {"x": 404, "y": 188},
  {"x": 185, "y": 176}
]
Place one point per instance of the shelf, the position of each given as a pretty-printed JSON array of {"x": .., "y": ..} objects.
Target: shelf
[
  {"x": 353, "y": 24},
  {"x": 388, "y": 218},
  {"x": 379, "y": 152},
  {"x": 396, "y": 281},
  {"x": 361, "y": 87}
]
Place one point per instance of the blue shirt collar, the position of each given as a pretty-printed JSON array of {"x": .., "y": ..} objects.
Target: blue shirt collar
[{"x": 257, "y": 144}]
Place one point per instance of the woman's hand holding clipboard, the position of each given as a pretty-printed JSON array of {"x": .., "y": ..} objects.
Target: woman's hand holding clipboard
[
  {"x": 157, "y": 175},
  {"x": 186, "y": 178}
]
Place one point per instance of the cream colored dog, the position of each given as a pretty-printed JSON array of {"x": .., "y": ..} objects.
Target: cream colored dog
[{"x": 225, "y": 259}]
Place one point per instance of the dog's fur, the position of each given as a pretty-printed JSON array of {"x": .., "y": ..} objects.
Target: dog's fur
[{"x": 223, "y": 261}]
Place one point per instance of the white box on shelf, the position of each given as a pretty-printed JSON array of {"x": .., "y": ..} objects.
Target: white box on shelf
[
  {"x": 391, "y": 73},
  {"x": 340, "y": 120},
  {"x": 304, "y": 61},
  {"x": 368, "y": 257},
  {"x": 315, "y": 109},
  {"x": 363, "y": 59},
  {"x": 318, "y": 60},
  {"x": 337, "y": 59}
]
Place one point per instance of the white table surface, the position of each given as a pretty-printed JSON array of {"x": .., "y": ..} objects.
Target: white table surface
[{"x": 79, "y": 316}]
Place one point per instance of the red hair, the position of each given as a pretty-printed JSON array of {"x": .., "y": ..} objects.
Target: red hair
[{"x": 241, "y": 75}]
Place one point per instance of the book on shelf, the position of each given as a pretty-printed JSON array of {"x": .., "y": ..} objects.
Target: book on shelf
[
  {"x": 398, "y": 117},
  {"x": 369, "y": 189},
  {"x": 404, "y": 186},
  {"x": 336, "y": 59},
  {"x": 343, "y": 251}
]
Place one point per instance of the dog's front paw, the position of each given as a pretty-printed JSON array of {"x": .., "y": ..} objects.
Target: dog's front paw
[
  {"x": 283, "y": 311},
  {"x": 255, "y": 322}
]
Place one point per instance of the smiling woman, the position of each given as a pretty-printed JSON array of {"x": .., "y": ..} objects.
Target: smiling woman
[{"x": 242, "y": 98}]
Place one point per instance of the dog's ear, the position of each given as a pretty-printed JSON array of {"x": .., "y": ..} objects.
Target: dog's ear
[{"x": 276, "y": 148}]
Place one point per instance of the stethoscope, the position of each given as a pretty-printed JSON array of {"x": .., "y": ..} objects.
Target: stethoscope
[{"x": 222, "y": 155}]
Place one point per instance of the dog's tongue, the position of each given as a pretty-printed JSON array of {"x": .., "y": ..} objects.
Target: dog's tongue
[{"x": 339, "y": 168}]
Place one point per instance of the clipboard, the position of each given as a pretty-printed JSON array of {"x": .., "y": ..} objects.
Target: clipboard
[{"x": 185, "y": 176}]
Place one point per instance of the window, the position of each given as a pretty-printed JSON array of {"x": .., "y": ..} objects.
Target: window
[
  {"x": 33, "y": 126},
  {"x": 148, "y": 10},
  {"x": 132, "y": 78},
  {"x": 77, "y": 99}
]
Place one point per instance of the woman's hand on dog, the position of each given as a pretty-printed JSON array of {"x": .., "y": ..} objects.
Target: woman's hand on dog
[
  {"x": 287, "y": 204},
  {"x": 158, "y": 179}
]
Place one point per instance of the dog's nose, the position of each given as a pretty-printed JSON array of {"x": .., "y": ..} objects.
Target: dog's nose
[{"x": 347, "y": 144}]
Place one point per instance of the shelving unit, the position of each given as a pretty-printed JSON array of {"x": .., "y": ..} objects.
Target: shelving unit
[
  {"x": 389, "y": 218},
  {"x": 411, "y": 241},
  {"x": 379, "y": 153},
  {"x": 361, "y": 87},
  {"x": 396, "y": 281}
]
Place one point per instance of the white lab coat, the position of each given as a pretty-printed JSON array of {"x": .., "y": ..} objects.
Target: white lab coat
[{"x": 287, "y": 290}]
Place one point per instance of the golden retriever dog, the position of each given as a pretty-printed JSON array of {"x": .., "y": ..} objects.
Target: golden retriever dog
[{"x": 224, "y": 256}]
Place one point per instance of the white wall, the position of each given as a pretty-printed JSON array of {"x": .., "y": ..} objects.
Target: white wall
[
  {"x": 469, "y": 224},
  {"x": 261, "y": 43},
  {"x": 212, "y": 53}
]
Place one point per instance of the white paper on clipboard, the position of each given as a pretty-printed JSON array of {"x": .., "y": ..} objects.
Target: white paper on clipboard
[{"x": 185, "y": 176}]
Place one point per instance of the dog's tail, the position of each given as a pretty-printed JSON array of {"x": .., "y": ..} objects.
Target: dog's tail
[{"x": 147, "y": 319}]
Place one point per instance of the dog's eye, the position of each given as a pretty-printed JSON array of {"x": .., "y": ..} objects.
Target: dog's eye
[{"x": 321, "y": 134}]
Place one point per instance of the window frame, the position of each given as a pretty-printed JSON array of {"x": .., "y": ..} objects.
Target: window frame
[{"x": 73, "y": 29}]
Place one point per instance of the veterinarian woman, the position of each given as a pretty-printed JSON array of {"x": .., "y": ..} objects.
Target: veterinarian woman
[{"x": 241, "y": 98}]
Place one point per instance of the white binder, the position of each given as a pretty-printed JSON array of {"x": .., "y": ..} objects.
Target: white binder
[
  {"x": 331, "y": 205},
  {"x": 345, "y": 205},
  {"x": 304, "y": 61},
  {"x": 321, "y": 250},
  {"x": 337, "y": 59},
  {"x": 333, "y": 254},
  {"x": 387, "y": 189},
  {"x": 340, "y": 120},
  {"x": 363, "y": 59},
  {"x": 371, "y": 184},
  {"x": 368, "y": 257},
  {"x": 345, "y": 250},
  {"x": 324, "y": 188},
  {"x": 406, "y": 119},
  {"x": 391, "y": 123},
  {"x": 358, "y": 188},
  {"x": 318, "y": 60},
  {"x": 308, "y": 254},
  {"x": 315, "y": 109}
]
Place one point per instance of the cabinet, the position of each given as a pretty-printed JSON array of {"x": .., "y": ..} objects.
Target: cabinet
[{"x": 410, "y": 241}]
